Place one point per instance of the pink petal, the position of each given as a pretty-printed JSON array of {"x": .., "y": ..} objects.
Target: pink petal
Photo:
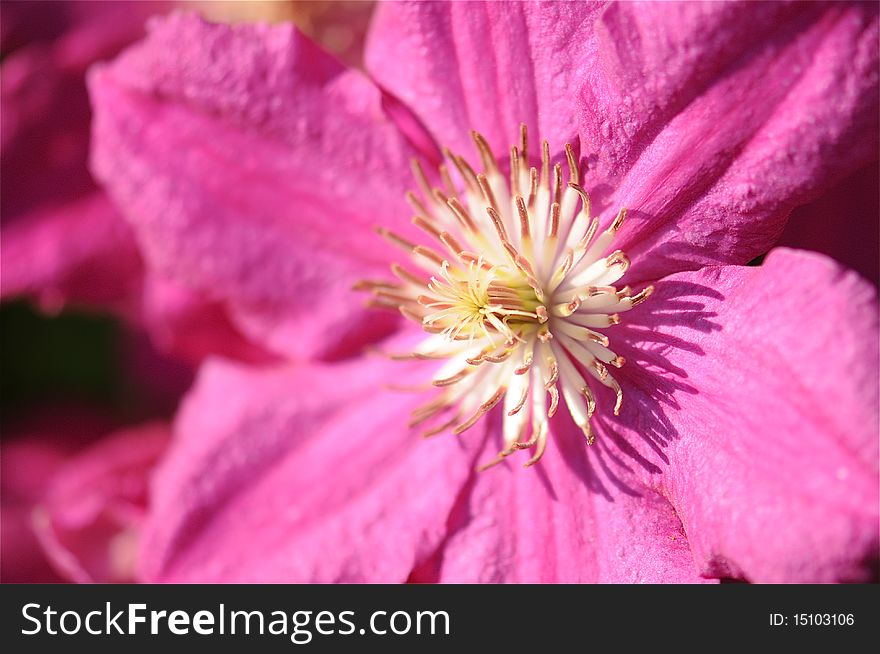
[
  {"x": 304, "y": 474},
  {"x": 237, "y": 159},
  {"x": 94, "y": 506},
  {"x": 712, "y": 121},
  {"x": 751, "y": 402},
  {"x": 485, "y": 66},
  {"x": 561, "y": 523}
]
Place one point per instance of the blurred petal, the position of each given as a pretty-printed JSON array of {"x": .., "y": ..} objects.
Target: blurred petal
[
  {"x": 80, "y": 251},
  {"x": 751, "y": 402},
  {"x": 27, "y": 463},
  {"x": 88, "y": 28},
  {"x": 45, "y": 136},
  {"x": 190, "y": 327},
  {"x": 33, "y": 448},
  {"x": 710, "y": 122},
  {"x": 61, "y": 238},
  {"x": 45, "y": 104},
  {"x": 95, "y": 504},
  {"x": 487, "y": 66},
  {"x": 304, "y": 474},
  {"x": 253, "y": 167}
]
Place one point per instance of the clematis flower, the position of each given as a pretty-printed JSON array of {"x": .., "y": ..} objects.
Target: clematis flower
[{"x": 738, "y": 437}]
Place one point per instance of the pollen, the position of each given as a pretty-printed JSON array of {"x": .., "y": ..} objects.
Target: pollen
[{"x": 514, "y": 286}]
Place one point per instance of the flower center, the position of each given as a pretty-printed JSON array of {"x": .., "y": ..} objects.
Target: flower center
[{"x": 516, "y": 294}]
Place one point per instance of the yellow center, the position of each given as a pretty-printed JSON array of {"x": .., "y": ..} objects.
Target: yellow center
[{"x": 517, "y": 299}]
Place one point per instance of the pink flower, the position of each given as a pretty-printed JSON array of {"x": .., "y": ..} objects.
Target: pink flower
[{"x": 253, "y": 167}]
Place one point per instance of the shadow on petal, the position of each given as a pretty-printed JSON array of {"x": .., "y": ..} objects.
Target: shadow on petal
[{"x": 651, "y": 385}]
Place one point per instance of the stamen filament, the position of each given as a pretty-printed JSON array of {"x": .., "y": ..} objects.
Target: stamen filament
[{"x": 518, "y": 307}]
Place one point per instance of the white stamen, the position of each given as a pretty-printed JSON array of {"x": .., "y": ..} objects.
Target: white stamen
[{"x": 518, "y": 307}]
